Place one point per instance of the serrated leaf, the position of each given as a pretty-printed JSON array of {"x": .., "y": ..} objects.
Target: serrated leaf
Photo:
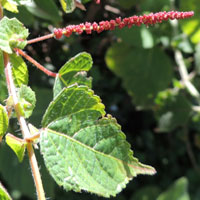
[
  {"x": 3, "y": 121},
  {"x": 12, "y": 34},
  {"x": 10, "y": 6},
  {"x": 179, "y": 190},
  {"x": 19, "y": 70},
  {"x": 3, "y": 193},
  {"x": 70, "y": 100},
  {"x": 74, "y": 71},
  {"x": 144, "y": 72},
  {"x": 27, "y": 100},
  {"x": 68, "y": 5},
  {"x": 17, "y": 145},
  {"x": 84, "y": 153}
]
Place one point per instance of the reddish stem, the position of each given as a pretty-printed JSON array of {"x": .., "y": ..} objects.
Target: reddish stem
[
  {"x": 38, "y": 65},
  {"x": 38, "y": 39}
]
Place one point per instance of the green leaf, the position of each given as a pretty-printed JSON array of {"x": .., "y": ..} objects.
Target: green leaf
[
  {"x": 84, "y": 153},
  {"x": 45, "y": 9},
  {"x": 70, "y": 100},
  {"x": 19, "y": 70},
  {"x": 197, "y": 58},
  {"x": 191, "y": 26},
  {"x": 144, "y": 72},
  {"x": 3, "y": 193},
  {"x": 3, "y": 121},
  {"x": 22, "y": 180},
  {"x": 27, "y": 100},
  {"x": 17, "y": 145},
  {"x": 10, "y": 6},
  {"x": 178, "y": 191},
  {"x": 12, "y": 34},
  {"x": 74, "y": 71},
  {"x": 149, "y": 192},
  {"x": 172, "y": 111},
  {"x": 68, "y": 5}
]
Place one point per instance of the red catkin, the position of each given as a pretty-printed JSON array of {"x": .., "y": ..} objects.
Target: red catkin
[{"x": 150, "y": 19}]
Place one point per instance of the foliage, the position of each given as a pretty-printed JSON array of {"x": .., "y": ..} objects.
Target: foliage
[{"x": 139, "y": 75}]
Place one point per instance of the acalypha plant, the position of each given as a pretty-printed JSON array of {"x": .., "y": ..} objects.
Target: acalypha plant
[{"x": 83, "y": 148}]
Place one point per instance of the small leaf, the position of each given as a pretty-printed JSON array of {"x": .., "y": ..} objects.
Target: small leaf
[
  {"x": 17, "y": 145},
  {"x": 3, "y": 121},
  {"x": 84, "y": 153},
  {"x": 10, "y": 6},
  {"x": 19, "y": 70},
  {"x": 74, "y": 71},
  {"x": 27, "y": 100},
  {"x": 4, "y": 194},
  {"x": 68, "y": 5},
  {"x": 70, "y": 100},
  {"x": 13, "y": 34},
  {"x": 179, "y": 190}
]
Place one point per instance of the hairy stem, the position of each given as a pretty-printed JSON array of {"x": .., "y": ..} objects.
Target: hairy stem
[
  {"x": 38, "y": 65},
  {"x": 38, "y": 39},
  {"x": 25, "y": 132},
  {"x": 22, "y": 123}
]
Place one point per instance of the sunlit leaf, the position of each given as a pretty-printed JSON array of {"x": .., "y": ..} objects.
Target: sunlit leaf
[
  {"x": 13, "y": 34},
  {"x": 17, "y": 145},
  {"x": 84, "y": 153},
  {"x": 19, "y": 70},
  {"x": 27, "y": 100},
  {"x": 74, "y": 71},
  {"x": 3, "y": 121},
  {"x": 3, "y": 193},
  {"x": 68, "y": 5},
  {"x": 71, "y": 100}
]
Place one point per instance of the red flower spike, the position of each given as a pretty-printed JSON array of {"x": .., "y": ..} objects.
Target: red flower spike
[
  {"x": 98, "y": 1},
  {"x": 149, "y": 19},
  {"x": 58, "y": 33}
]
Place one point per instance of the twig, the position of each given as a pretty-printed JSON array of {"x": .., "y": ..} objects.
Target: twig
[
  {"x": 23, "y": 125},
  {"x": 38, "y": 65},
  {"x": 184, "y": 74},
  {"x": 38, "y": 39}
]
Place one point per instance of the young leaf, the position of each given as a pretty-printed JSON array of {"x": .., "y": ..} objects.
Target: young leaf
[
  {"x": 17, "y": 145},
  {"x": 13, "y": 34},
  {"x": 10, "y": 6},
  {"x": 19, "y": 70},
  {"x": 3, "y": 121},
  {"x": 74, "y": 71},
  {"x": 71, "y": 100},
  {"x": 84, "y": 153},
  {"x": 68, "y": 5},
  {"x": 27, "y": 100},
  {"x": 3, "y": 193}
]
